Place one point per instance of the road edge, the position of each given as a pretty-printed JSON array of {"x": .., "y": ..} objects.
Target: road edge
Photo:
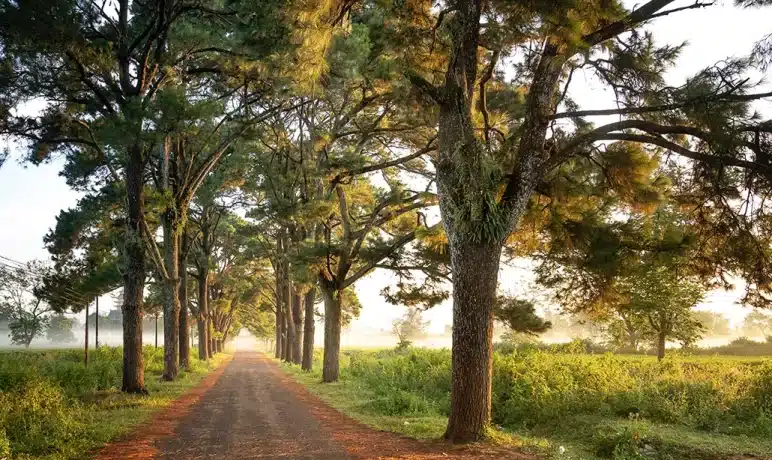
[{"x": 140, "y": 443}]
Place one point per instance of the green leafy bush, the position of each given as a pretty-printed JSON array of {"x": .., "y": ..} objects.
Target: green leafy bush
[
  {"x": 538, "y": 388},
  {"x": 48, "y": 398}
]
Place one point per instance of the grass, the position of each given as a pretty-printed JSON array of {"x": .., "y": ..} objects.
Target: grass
[
  {"x": 53, "y": 407},
  {"x": 593, "y": 406}
]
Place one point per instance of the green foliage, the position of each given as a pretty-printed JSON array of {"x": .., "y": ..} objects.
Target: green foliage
[
  {"x": 52, "y": 406},
  {"x": 758, "y": 323},
  {"x": 21, "y": 302},
  {"x": 536, "y": 389},
  {"x": 409, "y": 327},
  {"x": 520, "y": 316},
  {"x": 60, "y": 329}
]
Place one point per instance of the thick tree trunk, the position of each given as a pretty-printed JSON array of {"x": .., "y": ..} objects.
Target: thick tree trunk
[
  {"x": 286, "y": 343},
  {"x": 297, "y": 317},
  {"x": 661, "y": 346},
  {"x": 291, "y": 332},
  {"x": 203, "y": 313},
  {"x": 278, "y": 343},
  {"x": 279, "y": 311},
  {"x": 171, "y": 297},
  {"x": 333, "y": 305},
  {"x": 133, "y": 278},
  {"x": 308, "y": 331},
  {"x": 475, "y": 276},
  {"x": 210, "y": 332},
  {"x": 183, "y": 296}
]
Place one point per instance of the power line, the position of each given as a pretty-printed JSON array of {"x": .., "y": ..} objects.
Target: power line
[
  {"x": 69, "y": 295},
  {"x": 22, "y": 266}
]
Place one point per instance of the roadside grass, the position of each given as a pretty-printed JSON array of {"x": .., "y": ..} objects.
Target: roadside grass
[
  {"x": 583, "y": 407},
  {"x": 53, "y": 407}
]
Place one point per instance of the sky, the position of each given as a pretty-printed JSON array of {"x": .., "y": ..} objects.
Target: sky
[{"x": 31, "y": 197}]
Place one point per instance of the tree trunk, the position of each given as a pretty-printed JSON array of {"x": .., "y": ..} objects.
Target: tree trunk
[
  {"x": 286, "y": 343},
  {"x": 85, "y": 356},
  {"x": 279, "y": 312},
  {"x": 210, "y": 331},
  {"x": 475, "y": 276},
  {"x": 333, "y": 305},
  {"x": 661, "y": 346},
  {"x": 133, "y": 277},
  {"x": 156, "y": 330},
  {"x": 183, "y": 296},
  {"x": 297, "y": 316},
  {"x": 308, "y": 331},
  {"x": 203, "y": 313},
  {"x": 171, "y": 296}
]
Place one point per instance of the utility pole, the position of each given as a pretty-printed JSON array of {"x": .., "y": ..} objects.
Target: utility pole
[
  {"x": 85, "y": 358},
  {"x": 96, "y": 324}
]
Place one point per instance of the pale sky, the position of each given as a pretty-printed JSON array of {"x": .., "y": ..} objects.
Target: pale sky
[{"x": 31, "y": 197}]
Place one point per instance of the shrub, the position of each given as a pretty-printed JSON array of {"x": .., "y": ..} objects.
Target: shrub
[{"x": 533, "y": 387}]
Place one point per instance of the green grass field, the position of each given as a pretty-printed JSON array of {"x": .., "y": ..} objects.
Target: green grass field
[
  {"x": 593, "y": 406},
  {"x": 53, "y": 407}
]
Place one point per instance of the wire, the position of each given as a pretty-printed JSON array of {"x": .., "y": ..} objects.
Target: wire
[
  {"x": 70, "y": 296},
  {"x": 23, "y": 267}
]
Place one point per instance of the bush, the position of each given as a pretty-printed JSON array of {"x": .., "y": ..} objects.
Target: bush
[
  {"x": 533, "y": 387},
  {"x": 47, "y": 398},
  {"x": 36, "y": 416}
]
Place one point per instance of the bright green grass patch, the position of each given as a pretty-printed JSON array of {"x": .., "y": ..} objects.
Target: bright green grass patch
[
  {"x": 591, "y": 406},
  {"x": 53, "y": 407}
]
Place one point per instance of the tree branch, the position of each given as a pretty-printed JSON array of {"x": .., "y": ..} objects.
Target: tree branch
[
  {"x": 400, "y": 242},
  {"x": 727, "y": 96}
]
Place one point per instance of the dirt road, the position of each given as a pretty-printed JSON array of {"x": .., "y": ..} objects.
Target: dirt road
[{"x": 251, "y": 410}]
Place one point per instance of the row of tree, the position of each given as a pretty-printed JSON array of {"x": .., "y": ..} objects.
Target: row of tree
[{"x": 265, "y": 153}]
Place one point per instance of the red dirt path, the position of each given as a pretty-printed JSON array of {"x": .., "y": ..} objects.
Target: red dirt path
[{"x": 249, "y": 409}]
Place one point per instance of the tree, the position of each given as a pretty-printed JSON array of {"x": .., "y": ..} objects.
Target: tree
[
  {"x": 520, "y": 316},
  {"x": 21, "y": 303},
  {"x": 757, "y": 323},
  {"x": 60, "y": 329},
  {"x": 665, "y": 300},
  {"x": 409, "y": 327},
  {"x": 105, "y": 71},
  {"x": 715, "y": 324},
  {"x": 627, "y": 330},
  {"x": 503, "y": 141}
]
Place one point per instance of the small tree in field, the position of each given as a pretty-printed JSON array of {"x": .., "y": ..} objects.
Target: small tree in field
[
  {"x": 26, "y": 312},
  {"x": 409, "y": 327},
  {"x": 758, "y": 323},
  {"x": 60, "y": 329},
  {"x": 665, "y": 300}
]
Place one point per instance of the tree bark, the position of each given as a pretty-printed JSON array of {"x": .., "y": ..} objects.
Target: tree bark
[
  {"x": 171, "y": 296},
  {"x": 203, "y": 313},
  {"x": 133, "y": 380},
  {"x": 297, "y": 316},
  {"x": 156, "y": 330},
  {"x": 308, "y": 331},
  {"x": 661, "y": 346},
  {"x": 210, "y": 333},
  {"x": 333, "y": 305},
  {"x": 286, "y": 342},
  {"x": 279, "y": 316},
  {"x": 184, "y": 346},
  {"x": 475, "y": 276}
]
